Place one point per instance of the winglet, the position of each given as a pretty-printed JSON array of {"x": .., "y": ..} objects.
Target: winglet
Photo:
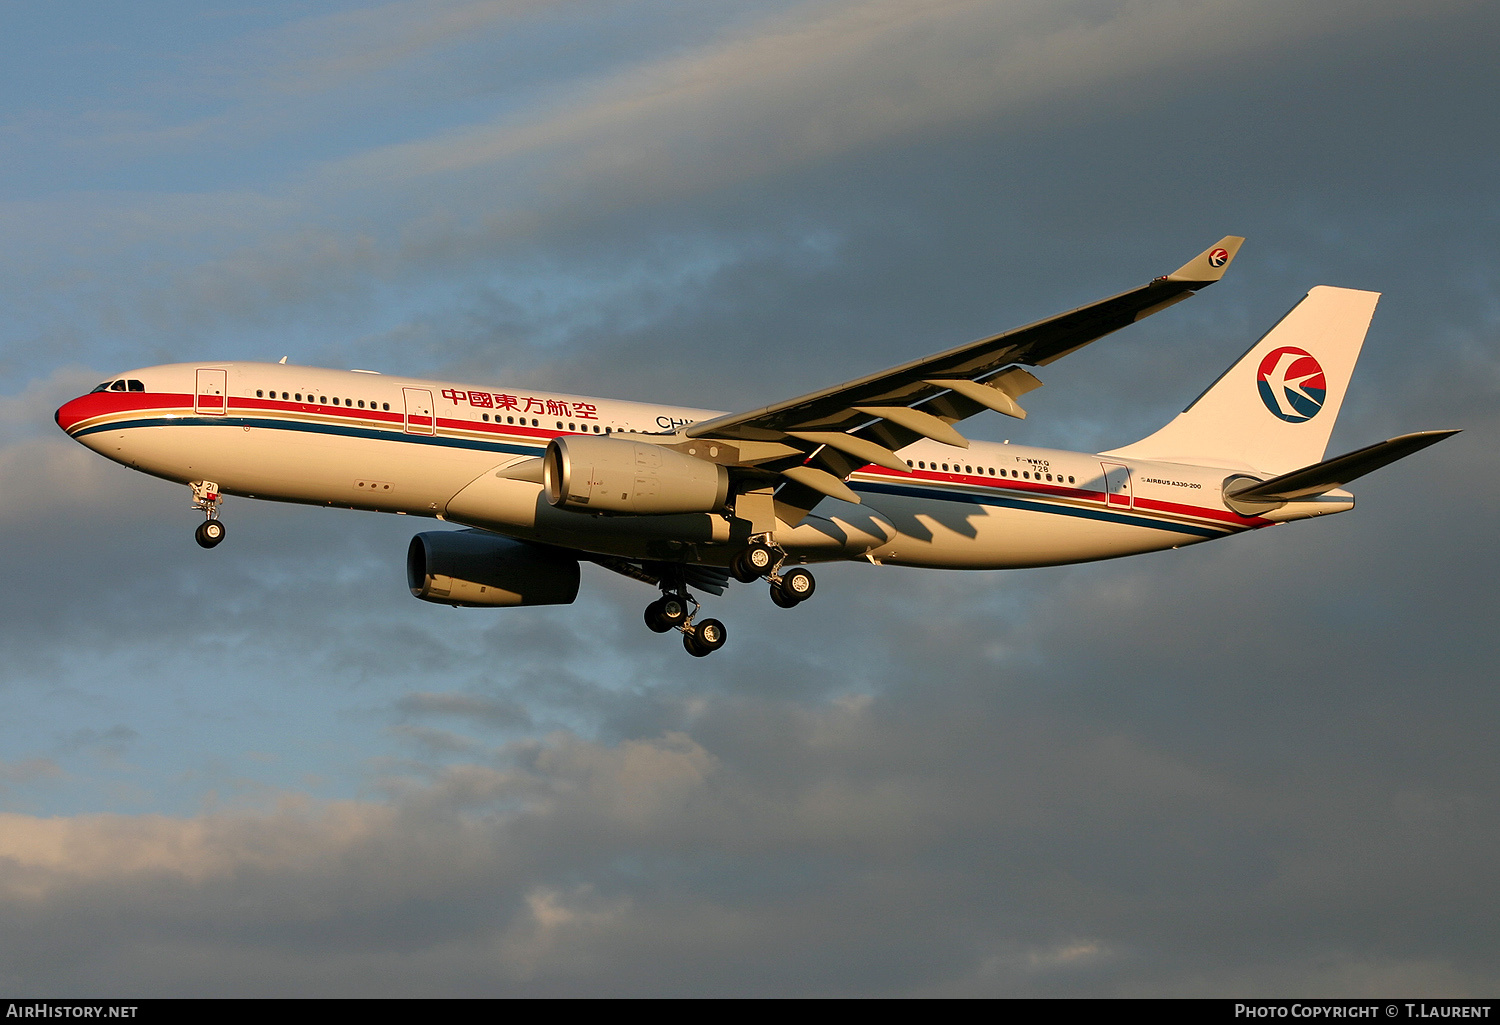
[{"x": 1209, "y": 266}]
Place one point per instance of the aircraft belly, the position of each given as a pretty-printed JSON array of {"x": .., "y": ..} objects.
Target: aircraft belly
[{"x": 967, "y": 535}]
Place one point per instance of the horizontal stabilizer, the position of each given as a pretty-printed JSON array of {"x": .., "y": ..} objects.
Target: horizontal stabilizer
[{"x": 1336, "y": 472}]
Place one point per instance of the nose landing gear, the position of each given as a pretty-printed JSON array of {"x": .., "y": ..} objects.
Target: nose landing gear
[{"x": 206, "y": 498}]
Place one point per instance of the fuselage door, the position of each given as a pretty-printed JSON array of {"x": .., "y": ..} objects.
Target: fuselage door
[
  {"x": 213, "y": 385},
  {"x": 1116, "y": 485},
  {"x": 419, "y": 418}
]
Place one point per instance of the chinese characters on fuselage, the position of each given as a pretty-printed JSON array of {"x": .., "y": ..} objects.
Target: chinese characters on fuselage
[{"x": 522, "y": 404}]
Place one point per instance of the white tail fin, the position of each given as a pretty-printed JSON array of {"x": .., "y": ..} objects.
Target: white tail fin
[{"x": 1274, "y": 409}]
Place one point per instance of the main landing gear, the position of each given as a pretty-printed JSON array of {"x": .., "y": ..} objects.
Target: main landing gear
[
  {"x": 206, "y": 498},
  {"x": 763, "y": 558},
  {"x": 674, "y": 611}
]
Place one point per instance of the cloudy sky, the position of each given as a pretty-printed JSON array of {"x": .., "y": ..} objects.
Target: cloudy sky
[{"x": 1261, "y": 767}]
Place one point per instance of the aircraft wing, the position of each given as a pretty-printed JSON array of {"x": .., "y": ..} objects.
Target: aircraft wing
[{"x": 867, "y": 420}]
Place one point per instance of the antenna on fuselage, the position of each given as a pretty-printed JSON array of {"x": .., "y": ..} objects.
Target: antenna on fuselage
[{"x": 282, "y": 361}]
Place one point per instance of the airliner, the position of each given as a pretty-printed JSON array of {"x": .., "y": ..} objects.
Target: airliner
[{"x": 683, "y": 500}]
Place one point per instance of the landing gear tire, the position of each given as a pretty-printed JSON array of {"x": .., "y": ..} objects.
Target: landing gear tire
[
  {"x": 654, "y": 619},
  {"x": 793, "y": 588},
  {"x": 705, "y": 638},
  {"x": 753, "y": 563},
  {"x": 209, "y": 533},
  {"x": 666, "y": 612},
  {"x": 674, "y": 610},
  {"x": 798, "y": 584}
]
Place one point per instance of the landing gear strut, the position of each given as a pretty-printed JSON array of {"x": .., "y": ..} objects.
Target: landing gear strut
[{"x": 206, "y": 498}]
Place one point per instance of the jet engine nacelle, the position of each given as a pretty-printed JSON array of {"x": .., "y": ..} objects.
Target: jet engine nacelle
[
  {"x": 615, "y": 475},
  {"x": 476, "y": 568}
]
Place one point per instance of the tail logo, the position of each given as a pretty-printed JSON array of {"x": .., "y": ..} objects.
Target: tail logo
[
  {"x": 1291, "y": 384},
  {"x": 1218, "y": 257}
]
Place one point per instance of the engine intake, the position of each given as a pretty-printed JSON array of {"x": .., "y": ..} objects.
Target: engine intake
[
  {"x": 615, "y": 475},
  {"x": 479, "y": 569}
]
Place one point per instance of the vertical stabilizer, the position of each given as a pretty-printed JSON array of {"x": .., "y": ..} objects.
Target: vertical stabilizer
[{"x": 1274, "y": 409}]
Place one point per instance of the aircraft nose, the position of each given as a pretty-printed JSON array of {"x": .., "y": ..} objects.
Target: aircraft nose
[{"x": 70, "y": 412}]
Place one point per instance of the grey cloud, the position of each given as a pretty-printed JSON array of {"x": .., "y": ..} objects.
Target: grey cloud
[
  {"x": 481, "y": 708},
  {"x": 1057, "y": 857},
  {"x": 722, "y": 101},
  {"x": 30, "y": 770}
]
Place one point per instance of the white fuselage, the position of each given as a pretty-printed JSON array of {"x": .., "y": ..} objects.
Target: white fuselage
[{"x": 369, "y": 441}]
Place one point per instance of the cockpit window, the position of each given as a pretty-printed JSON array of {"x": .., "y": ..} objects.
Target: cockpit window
[
  {"x": 102, "y": 387},
  {"x": 136, "y": 385},
  {"x": 117, "y": 386}
]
